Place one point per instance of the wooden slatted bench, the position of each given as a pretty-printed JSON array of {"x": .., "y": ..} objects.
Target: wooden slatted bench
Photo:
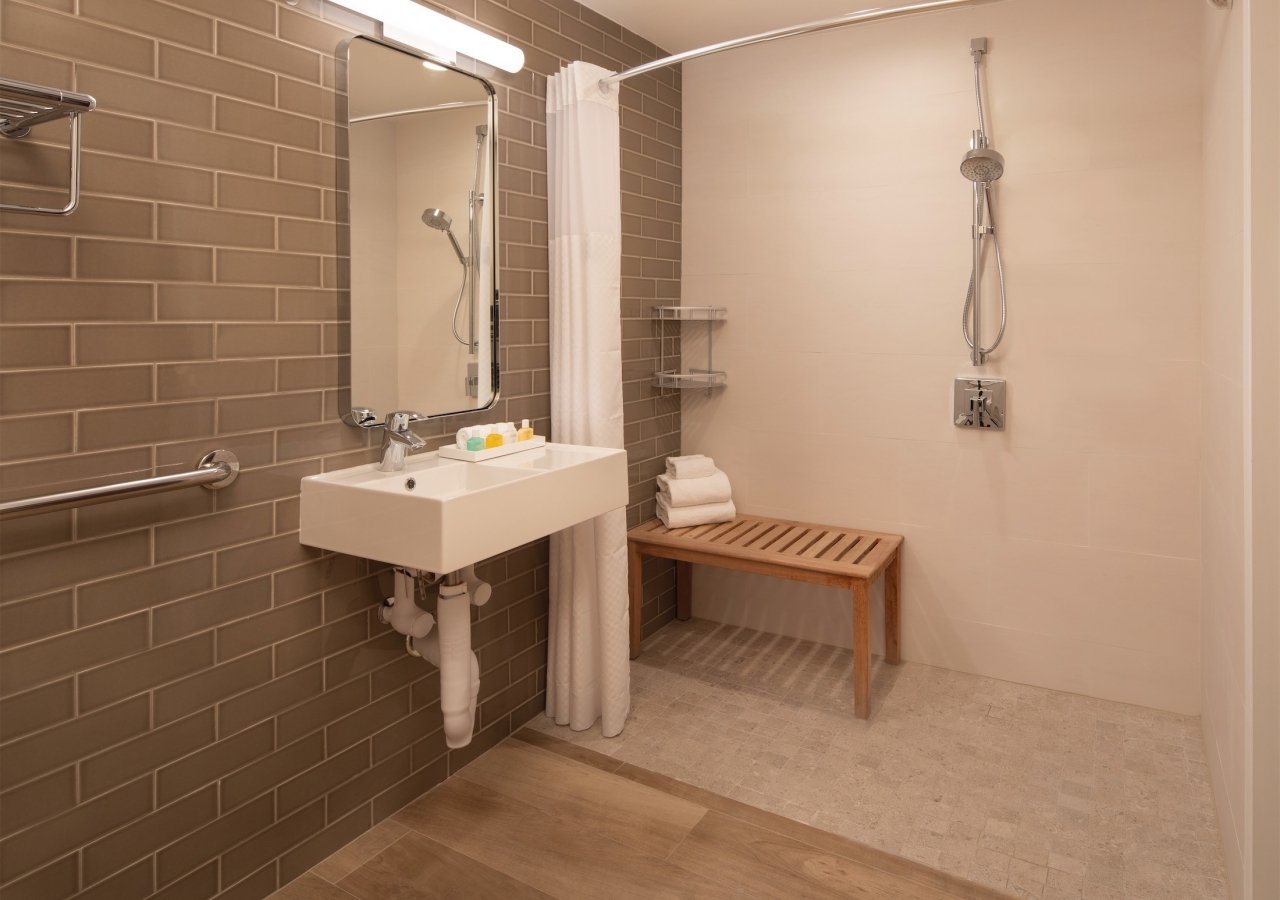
[{"x": 800, "y": 551}]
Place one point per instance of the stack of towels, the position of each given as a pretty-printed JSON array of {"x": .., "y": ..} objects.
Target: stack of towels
[{"x": 694, "y": 492}]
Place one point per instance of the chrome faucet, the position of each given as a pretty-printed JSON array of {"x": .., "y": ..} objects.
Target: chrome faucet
[{"x": 397, "y": 440}]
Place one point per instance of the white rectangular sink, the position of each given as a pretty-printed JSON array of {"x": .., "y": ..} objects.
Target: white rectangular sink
[{"x": 439, "y": 515}]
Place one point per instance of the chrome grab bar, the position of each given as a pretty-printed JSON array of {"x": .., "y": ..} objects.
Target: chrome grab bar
[{"x": 215, "y": 471}]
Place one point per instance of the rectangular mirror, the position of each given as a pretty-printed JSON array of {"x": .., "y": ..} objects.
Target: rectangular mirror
[{"x": 424, "y": 310}]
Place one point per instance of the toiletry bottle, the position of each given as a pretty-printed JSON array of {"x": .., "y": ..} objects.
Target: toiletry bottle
[
  {"x": 475, "y": 442},
  {"x": 525, "y": 432},
  {"x": 493, "y": 438}
]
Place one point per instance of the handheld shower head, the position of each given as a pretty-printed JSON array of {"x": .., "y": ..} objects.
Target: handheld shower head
[
  {"x": 982, "y": 165},
  {"x": 437, "y": 219},
  {"x": 441, "y": 221}
]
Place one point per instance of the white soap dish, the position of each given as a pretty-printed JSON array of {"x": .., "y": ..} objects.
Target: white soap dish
[{"x": 451, "y": 451}]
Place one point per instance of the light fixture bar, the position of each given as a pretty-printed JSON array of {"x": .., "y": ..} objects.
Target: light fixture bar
[{"x": 408, "y": 23}]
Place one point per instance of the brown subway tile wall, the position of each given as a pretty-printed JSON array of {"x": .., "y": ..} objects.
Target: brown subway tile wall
[{"x": 193, "y": 704}]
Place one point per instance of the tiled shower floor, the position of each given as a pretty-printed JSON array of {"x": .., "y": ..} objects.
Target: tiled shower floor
[{"x": 1040, "y": 793}]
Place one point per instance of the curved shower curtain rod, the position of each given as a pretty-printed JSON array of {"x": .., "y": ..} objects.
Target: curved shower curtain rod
[{"x": 853, "y": 18}]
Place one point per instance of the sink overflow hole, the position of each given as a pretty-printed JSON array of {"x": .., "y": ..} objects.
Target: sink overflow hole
[{"x": 411, "y": 484}]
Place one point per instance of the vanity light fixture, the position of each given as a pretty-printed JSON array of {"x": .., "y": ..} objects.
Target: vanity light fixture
[{"x": 408, "y": 23}]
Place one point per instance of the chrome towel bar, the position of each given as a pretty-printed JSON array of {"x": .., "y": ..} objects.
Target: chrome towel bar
[
  {"x": 24, "y": 105},
  {"x": 215, "y": 471}
]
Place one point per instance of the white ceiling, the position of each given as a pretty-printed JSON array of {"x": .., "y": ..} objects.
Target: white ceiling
[{"x": 678, "y": 25}]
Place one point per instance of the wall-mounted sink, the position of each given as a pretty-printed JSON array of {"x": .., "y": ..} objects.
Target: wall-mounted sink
[{"x": 440, "y": 515}]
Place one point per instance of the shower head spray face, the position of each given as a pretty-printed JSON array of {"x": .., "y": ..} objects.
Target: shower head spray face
[
  {"x": 437, "y": 219},
  {"x": 983, "y": 165},
  {"x": 440, "y": 220}
]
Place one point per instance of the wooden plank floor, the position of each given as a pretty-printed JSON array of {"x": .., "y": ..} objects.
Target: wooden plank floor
[{"x": 538, "y": 817}]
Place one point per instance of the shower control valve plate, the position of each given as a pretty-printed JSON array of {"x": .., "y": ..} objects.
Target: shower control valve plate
[{"x": 979, "y": 403}]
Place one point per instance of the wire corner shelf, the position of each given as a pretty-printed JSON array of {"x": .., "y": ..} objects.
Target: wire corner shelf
[
  {"x": 691, "y": 313},
  {"x": 694, "y": 378},
  {"x": 674, "y": 379},
  {"x": 24, "y": 106}
]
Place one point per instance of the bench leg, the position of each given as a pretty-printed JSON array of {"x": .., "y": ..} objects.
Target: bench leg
[
  {"x": 892, "y": 624},
  {"x": 861, "y": 649},
  {"x": 635, "y": 590},
  {"x": 684, "y": 591}
]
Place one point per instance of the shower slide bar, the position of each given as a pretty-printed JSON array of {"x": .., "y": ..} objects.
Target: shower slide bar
[
  {"x": 215, "y": 471},
  {"x": 853, "y": 18}
]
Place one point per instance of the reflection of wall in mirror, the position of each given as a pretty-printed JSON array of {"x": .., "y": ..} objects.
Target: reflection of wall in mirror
[
  {"x": 432, "y": 362},
  {"x": 408, "y": 271},
  {"x": 374, "y": 187}
]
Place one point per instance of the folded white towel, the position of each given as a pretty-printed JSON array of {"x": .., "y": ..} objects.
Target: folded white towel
[
  {"x": 687, "y": 516},
  {"x": 695, "y": 491},
  {"x": 694, "y": 466}
]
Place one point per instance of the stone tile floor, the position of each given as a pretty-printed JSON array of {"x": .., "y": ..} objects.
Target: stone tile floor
[{"x": 1041, "y": 793}]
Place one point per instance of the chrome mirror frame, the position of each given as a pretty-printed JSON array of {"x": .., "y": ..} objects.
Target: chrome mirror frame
[{"x": 366, "y": 417}]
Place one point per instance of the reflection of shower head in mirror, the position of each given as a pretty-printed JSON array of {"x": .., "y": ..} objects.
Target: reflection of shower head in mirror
[{"x": 440, "y": 221}]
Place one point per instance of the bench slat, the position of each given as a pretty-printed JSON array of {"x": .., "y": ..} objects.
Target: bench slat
[
  {"x": 827, "y": 549},
  {"x": 742, "y": 536},
  {"x": 837, "y": 552},
  {"x": 879, "y": 557},
  {"x": 794, "y": 535},
  {"x": 761, "y": 538},
  {"x": 800, "y": 549},
  {"x": 855, "y": 550},
  {"x": 822, "y": 545},
  {"x": 718, "y": 529},
  {"x": 732, "y": 528},
  {"x": 779, "y": 538}
]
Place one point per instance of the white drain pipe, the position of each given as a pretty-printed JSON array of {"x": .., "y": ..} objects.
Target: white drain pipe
[
  {"x": 401, "y": 613},
  {"x": 449, "y": 647},
  {"x": 444, "y": 640}
]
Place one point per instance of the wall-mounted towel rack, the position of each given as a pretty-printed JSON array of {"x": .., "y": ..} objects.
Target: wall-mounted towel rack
[
  {"x": 24, "y": 105},
  {"x": 214, "y": 471}
]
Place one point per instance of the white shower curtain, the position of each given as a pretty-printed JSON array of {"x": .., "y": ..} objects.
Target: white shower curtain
[{"x": 588, "y": 672}]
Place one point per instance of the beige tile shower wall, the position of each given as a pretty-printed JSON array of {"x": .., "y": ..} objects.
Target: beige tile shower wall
[
  {"x": 1238, "y": 485},
  {"x": 1264, "y": 191},
  {"x": 192, "y": 702},
  {"x": 1225, "y": 618},
  {"x": 824, "y": 207}
]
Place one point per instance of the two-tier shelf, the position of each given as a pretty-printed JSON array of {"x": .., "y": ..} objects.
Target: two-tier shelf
[{"x": 708, "y": 378}]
